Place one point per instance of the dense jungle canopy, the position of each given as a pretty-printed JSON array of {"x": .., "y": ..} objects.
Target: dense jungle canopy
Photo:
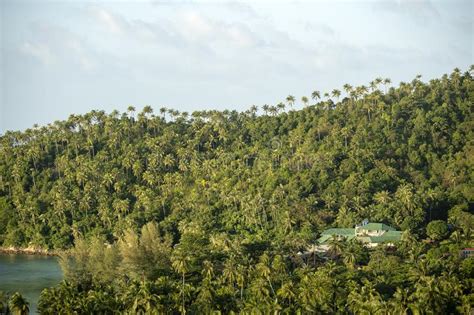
[{"x": 203, "y": 212}]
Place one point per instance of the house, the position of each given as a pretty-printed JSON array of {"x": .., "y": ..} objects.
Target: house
[
  {"x": 372, "y": 234},
  {"x": 466, "y": 252}
]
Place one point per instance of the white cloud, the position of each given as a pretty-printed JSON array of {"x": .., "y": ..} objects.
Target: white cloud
[
  {"x": 420, "y": 11},
  {"x": 197, "y": 28},
  {"x": 39, "y": 51},
  {"x": 213, "y": 53},
  {"x": 112, "y": 22},
  {"x": 53, "y": 45},
  {"x": 240, "y": 36},
  {"x": 194, "y": 26}
]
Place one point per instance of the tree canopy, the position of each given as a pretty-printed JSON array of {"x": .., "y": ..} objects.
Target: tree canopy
[{"x": 202, "y": 211}]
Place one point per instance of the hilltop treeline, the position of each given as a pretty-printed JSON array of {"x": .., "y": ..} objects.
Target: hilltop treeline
[{"x": 221, "y": 187}]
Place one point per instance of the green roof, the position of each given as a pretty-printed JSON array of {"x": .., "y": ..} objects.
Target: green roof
[
  {"x": 385, "y": 238},
  {"x": 391, "y": 235},
  {"x": 377, "y": 227},
  {"x": 324, "y": 238}
]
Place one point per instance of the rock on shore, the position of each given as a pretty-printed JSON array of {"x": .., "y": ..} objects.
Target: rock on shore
[{"x": 27, "y": 251}]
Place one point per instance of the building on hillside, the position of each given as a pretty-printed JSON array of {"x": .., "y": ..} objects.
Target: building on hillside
[{"x": 372, "y": 234}]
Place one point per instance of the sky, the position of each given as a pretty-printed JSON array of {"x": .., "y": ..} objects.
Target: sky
[{"x": 69, "y": 57}]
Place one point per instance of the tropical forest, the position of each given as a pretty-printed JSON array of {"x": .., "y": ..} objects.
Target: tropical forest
[{"x": 157, "y": 211}]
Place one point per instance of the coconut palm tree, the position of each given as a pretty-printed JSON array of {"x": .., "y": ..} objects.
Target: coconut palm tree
[
  {"x": 241, "y": 278},
  {"x": 400, "y": 301},
  {"x": 429, "y": 296},
  {"x": 265, "y": 108},
  {"x": 273, "y": 110},
  {"x": 281, "y": 106},
  {"x": 131, "y": 111},
  {"x": 18, "y": 304},
  {"x": 290, "y": 99},
  {"x": 405, "y": 195},
  {"x": 316, "y": 95},
  {"x": 147, "y": 110},
  {"x": 287, "y": 292},
  {"x": 382, "y": 197},
  {"x": 372, "y": 86},
  {"x": 366, "y": 300},
  {"x": 229, "y": 273},
  {"x": 336, "y": 93},
  {"x": 145, "y": 302},
  {"x": 253, "y": 110},
  {"x": 207, "y": 270},
  {"x": 347, "y": 88},
  {"x": 180, "y": 263},
  {"x": 362, "y": 90},
  {"x": 386, "y": 82},
  {"x": 305, "y": 100},
  {"x": 163, "y": 111},
  {"x": 336, "y": 245},
  {"x": 3, "y": 303},
  {"x": 264, "y": 270}
]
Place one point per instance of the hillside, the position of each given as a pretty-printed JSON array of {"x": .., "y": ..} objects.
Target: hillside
[{"x": 219, "y": 188}]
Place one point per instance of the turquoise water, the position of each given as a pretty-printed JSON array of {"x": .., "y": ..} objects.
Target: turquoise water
[{"x": 28, "y": 274}]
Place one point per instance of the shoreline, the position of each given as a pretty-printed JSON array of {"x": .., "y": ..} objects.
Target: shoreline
[{"x": 28, "y": 251}]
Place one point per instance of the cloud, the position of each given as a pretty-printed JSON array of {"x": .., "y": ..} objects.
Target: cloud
[
  {"x": 112, "y": 22},
  {"x": 243, "y": 9},
  {"x": 241, "y": 36},
  {"x": 463, "y": 24},
  {"x": 191, "y": 43},
  {"x": 186, "y": 25},
  {"x": 39, "y": 51},
  {"x": 195, "y": 27},
  {"x": 53, "y": 45},
  {"x": 319, "y": 28},
  {"x": 186, "y": 28},
  {"x": 109, "y": 20},
  {"x": 419, "y": 10},
  {"x": 113, "y": 53}
]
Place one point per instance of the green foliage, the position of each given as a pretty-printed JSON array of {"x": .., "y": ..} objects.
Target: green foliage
[
  {"x": 202, "y": 212},
  {"x": 437, "y": 230},
  {"x": 146, "y": 255},
  {"x": 6, "y": 216},
  {"x": 14, "y": 304},
  {"x": 3, "y": 303}
]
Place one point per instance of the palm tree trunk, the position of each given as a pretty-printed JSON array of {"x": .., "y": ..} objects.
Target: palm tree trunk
[
  {"x": 184, "y": 310},
  {"x": 271, "y": 286}
]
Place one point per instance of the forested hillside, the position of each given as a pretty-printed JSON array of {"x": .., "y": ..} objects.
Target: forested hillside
[{"x": 202, "y": 210}]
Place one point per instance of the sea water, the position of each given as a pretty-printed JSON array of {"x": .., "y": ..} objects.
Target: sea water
[{"x": 29, "y": 275}]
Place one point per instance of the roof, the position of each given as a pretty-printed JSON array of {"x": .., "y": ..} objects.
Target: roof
[
  {"x": 324, "y": 238},
  {"x": 393, "y": 233},
  {"x": 387, "y": 237},
  {"x": 377, "y": 227}
]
